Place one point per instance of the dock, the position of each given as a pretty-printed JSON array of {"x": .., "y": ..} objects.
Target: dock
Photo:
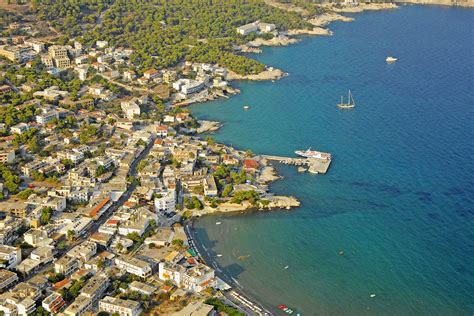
[{"x": 314, "y": 165}]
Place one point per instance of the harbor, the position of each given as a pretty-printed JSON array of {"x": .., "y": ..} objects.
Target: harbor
[{"x": 313, "y": 165}]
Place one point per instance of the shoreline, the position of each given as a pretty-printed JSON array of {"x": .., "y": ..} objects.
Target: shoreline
[
  {"x": 206, "y": 257},
  {"x": 269, "y": 74}
]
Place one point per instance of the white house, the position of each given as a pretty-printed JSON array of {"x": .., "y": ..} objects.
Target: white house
[
  {"x": 130, "y": 108},
  {"x": 247, "y": 29},
  {"x": 9, "y": 256},
  {"x": 166, "y": 201},
  {"x": 134, "y": 266}
]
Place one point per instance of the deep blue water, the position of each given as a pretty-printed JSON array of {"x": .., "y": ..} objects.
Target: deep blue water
[{"x": 399, "y": 196}]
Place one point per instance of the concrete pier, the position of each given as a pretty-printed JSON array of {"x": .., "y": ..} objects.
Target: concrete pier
[{"x": 314, "y": 165}]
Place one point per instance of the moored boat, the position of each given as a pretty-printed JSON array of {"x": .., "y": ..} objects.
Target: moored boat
[
  {"x": 350, "y": 102},
  {"x": 308, "y": 153},
  {"x": 391, "y": 59}
]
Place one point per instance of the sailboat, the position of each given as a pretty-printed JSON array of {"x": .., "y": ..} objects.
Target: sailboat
[{"x": 350, "y": 102}]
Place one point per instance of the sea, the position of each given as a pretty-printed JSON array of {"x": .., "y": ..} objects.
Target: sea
[{"x": 389, "y": 230}]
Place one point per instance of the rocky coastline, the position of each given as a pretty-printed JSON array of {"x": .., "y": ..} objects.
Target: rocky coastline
[
  {"x": 268, "y": 173},
  {"x": 268, "y": 74}
]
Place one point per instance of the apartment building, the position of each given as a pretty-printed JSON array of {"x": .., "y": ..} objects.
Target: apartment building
[
  {"x": 134, "y": 266},
  {"x": 119, "y": 306}
]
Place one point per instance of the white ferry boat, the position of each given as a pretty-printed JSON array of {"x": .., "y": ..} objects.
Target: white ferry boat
[
  {"x": 391, "y": 59},
  {"x": 308, "y": 153}
]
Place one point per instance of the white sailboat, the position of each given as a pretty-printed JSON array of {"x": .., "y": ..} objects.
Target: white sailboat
[{"x": 350, "y": 102}]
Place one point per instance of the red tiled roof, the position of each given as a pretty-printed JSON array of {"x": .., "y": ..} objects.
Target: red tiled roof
[
  {"x": 97, "y": 236},
  {"x": 129, "y": 204},
  {"x": 60, "y": 284},
  {"x": 162, "y": 128},
  {"x": 98, "y": 207},
  {"x": 250, "y": 164},
  {"x": 8, "y": 138},
  {"x": 112, "y": 221},
  {"x": 166, "y": 288},
  {"x": 150, "y": 71}
]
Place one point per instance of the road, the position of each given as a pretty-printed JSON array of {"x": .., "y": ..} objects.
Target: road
[{"x": 126, "y": 195}]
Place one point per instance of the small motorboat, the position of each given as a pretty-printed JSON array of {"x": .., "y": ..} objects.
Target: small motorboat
[
  {"x": 285, "y": 309},
  {"x": 219, "y": 255},
  {"x": 372, "y": 295},
  {"x": 218, "y": 223},
  {"x": 246, "y": 107},
  {"x": 391, "y": 59},
  {"x": 286, "y": 268}
]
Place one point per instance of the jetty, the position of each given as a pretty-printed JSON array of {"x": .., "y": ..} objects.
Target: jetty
[{"x": 314, "y": 165}]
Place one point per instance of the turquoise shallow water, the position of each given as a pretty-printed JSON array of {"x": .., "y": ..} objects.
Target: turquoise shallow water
[{"x": 399, "y": 196}]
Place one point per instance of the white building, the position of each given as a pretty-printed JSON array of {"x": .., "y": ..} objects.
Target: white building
[
  {"x": 77, "y": 227},
  {"x": 102, "y": 44},
  {"x": 172, "y": 272},
  {"x": 254, "y": 27},
  {"x": 130, "y": 108},
  {"x": 198, "y": 278},
  {"x": 7, "y": 278},
  {"x": 163, "y": 237},
  {"x": 188, "y": 86},
  {"x": 82, "y": 72},
  {"x": 167, "y": 202},
  {"x": 80, "y": 60},
  {"x": 9, "y": 256},
  {"x": 19, "y": 128},
  {"x": 53, "y": 303},
  {"x": 79, "y": 307},
  {"x": 139, "y": 224},
  {"x": 266, "y": 27},
  {"x": 84, "y": 251},
  {"x": 66, "y": 265},
  {"x": 247, "y": 29},
  {"x": 134, "y": 266},
  {"x": 118, "y": 306},
  {"x": 7, "y": 154},
  {"x": 36, "y": 238}
]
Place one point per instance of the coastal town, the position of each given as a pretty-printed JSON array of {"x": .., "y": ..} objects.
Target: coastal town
[{"x": 102, "y": 168}]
